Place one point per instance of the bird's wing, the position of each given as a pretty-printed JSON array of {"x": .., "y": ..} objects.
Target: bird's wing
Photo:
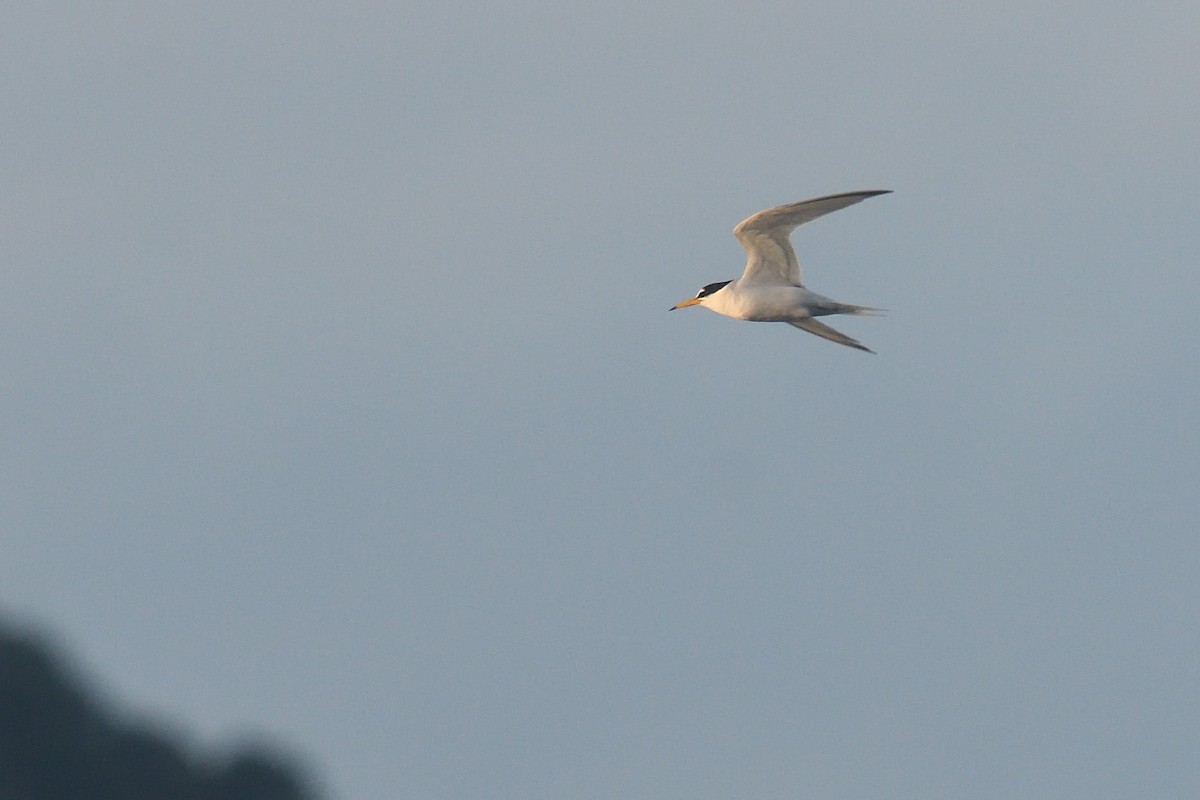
[
  {"x": 826, "y": 332},
  {"x": 771, "y": 259}
]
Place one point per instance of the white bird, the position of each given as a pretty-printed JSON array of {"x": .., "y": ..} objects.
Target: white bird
[{"x": 770, "y": 289}]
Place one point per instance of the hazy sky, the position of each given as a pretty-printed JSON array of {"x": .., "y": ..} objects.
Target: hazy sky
[{"x": 341, "y": 403}]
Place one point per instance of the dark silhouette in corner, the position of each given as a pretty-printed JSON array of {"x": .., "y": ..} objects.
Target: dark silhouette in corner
[{"x": 57, "y": 743}]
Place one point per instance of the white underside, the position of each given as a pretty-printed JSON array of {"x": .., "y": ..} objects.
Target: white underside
[{"x": 761, "y": 303}]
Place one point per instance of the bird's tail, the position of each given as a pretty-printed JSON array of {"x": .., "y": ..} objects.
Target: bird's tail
[{"x": 847, "y": 308}]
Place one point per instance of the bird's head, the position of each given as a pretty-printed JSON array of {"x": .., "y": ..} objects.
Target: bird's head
[{"x": 707, "y": 291}]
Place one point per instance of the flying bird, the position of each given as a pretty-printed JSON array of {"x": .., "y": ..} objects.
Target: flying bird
[{"x": 770, "y": 290}]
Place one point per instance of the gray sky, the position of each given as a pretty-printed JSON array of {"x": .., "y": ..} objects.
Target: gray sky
[{"x": 341, "y": 403}]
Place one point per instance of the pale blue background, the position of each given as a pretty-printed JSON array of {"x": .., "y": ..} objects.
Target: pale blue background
[{"x": 341, "y": 403}]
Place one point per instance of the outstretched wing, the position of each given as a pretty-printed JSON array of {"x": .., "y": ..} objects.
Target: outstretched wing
[
  {"x": 771, "y": 259},
  {"x": 826, "y": 332}
]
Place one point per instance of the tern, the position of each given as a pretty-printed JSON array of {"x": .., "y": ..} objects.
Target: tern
[{"x": 770, "y": 290}]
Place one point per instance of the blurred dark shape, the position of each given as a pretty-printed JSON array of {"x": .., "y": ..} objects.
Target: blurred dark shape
[{"x": 56, "y": 743}]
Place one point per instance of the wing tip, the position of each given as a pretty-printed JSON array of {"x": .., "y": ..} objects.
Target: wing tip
[{"x": 864, "y": 193}]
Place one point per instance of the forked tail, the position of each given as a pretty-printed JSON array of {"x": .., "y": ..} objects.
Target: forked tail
[{"x": 867, "y": 311}]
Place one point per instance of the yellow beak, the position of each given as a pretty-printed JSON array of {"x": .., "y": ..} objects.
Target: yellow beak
[{"x": 691, "y": 301}]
